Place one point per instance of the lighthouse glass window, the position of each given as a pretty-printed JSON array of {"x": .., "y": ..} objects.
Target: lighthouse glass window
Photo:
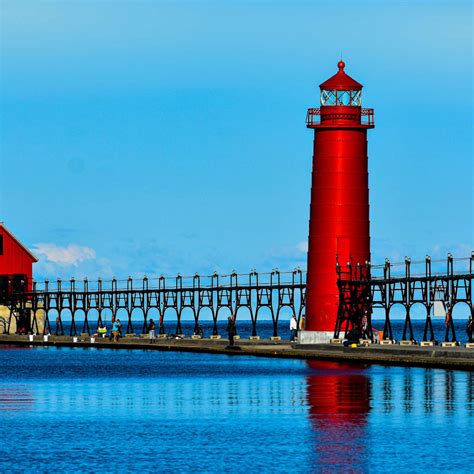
[
  {"x": 333, "y": 97},
  {"x": 328, "y": 97},
  {"x": 356, "y": 98}
]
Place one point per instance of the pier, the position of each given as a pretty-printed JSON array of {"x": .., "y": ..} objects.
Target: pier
[{"x": 454, "y": 357}]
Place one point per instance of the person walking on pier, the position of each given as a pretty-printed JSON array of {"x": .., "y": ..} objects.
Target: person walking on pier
[
  {"x": 469, "y": 328},
  {"x": 231, "y": 330},
  {"x": 293, "y": 328},
  {"x": 115, "y": 330},
  {"x": 151, "y": 331},
  {"x": 58, "y": 326}
]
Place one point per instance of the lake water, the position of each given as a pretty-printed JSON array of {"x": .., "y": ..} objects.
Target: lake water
[
  {"x": 265, "y": 328},
  {"x": 92, "y": 410}
]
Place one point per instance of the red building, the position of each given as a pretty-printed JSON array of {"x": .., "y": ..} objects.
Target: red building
[
  {"x": 16, "y": 264},
  {"x": 339, "y": 212}
]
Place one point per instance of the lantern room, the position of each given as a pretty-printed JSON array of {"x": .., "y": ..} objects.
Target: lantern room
[
  {"x": 341, "y": 104},
  {"x": 341, "y": 89}
]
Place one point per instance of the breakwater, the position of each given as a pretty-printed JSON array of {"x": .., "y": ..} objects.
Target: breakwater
[{"x": 457, "y": 357}]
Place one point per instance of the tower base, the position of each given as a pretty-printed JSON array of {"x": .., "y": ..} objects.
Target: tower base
[{"x": 315, "y": 337}]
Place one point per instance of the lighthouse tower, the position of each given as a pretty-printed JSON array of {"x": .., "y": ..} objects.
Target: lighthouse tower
[{"x": 339, "y": 212}]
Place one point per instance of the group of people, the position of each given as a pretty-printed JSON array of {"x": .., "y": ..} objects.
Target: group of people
[{"x": 116, "y": 332}]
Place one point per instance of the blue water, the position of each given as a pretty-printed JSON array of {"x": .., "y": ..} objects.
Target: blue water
[{"x": 100, "y": 410}]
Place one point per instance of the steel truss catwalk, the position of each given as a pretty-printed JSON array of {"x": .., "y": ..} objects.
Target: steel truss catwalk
[
  {"x": 385, "y": 287},
  {"x": 359, "y": 297},
  {"x": 234, "y": 292}
]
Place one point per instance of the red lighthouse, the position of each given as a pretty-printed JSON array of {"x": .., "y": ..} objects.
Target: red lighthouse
[{"x": 339, "y": 212}]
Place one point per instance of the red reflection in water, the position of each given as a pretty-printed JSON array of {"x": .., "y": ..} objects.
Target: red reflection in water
[
  {"x": 13, "y": 400},
  {"x": 339, "y": 402}
]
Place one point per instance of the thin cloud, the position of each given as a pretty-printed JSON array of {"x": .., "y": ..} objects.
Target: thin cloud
[
  {"x": 71, "y": 255},
  {"x": 302, "y": 246}
]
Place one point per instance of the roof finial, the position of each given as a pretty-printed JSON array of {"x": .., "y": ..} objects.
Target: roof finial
[{"x": 341, "y": 65}]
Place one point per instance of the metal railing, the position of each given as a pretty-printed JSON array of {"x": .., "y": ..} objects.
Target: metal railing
[{"x": 315, "y": 116}]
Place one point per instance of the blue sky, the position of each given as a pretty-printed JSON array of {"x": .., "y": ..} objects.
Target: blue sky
[{"x": 156, "y": 137}]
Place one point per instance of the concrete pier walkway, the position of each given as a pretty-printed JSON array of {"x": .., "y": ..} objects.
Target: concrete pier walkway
[{"x": 459, "y": 357}]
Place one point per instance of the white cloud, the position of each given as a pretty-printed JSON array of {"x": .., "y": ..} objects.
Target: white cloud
[
  {"x": 71, "y": 255},
  {"x": 302, "y": 246},
  {"x": 122, "y": 258},
  {"x": 460, "y": 250}
]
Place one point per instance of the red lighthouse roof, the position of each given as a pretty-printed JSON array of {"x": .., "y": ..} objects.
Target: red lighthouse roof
[{"x": 341, "y": 81}]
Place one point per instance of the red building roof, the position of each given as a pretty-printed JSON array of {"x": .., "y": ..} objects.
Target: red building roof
[
  {"x": 4, "y": 230},
  {"x": 341, "y": 81}
]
